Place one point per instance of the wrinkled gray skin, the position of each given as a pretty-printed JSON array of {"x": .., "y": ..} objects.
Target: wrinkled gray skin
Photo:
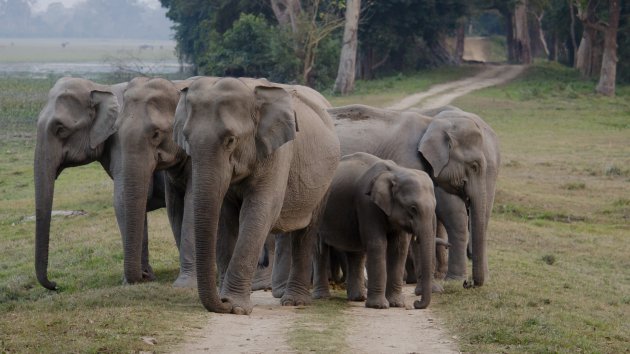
[
  {"x": 145, "y": 130},
  {"x": 77, "y": 127},
  {"x": 146, "y": 134},
  {"x": 456, "y": 148},
  {"x": 263, "y": 156},
  {"x": 373, "y": 207}
]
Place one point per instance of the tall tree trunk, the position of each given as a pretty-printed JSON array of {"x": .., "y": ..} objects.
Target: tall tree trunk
[
  {"x": 347, "y": 60},
  {"x": 541, "y": 35},
  {"x": 573, "y": 40},
  {"x": 522, "y": 44},
  {"x": 608, "y": 74},
  {"x": 588, "y": 59},
  {"x": 460, "y": 36},
  {"x": 287, "y": 12},
  {"x": 509, "y": 35}
]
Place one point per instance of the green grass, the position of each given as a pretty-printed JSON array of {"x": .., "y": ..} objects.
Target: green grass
[
  {"x": 558, "y": 245},
  {"x": 321, "y": 329},
  {"x": 389, "y": 90}
]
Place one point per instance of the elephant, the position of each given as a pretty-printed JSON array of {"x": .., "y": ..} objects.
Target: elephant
[
  {"x": 263, "y": 156},
  {"x": 76, "y": 127},
  {"x": 456, "y": 148},
  {"x": 145, "y": 130},
  {"x": 373, "y": 207}
]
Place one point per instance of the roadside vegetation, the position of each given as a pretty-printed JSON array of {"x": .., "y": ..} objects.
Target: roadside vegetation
[{"x": 558, "y": 250}]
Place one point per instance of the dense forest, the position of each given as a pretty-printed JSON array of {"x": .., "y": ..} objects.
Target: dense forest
[{"x": 301, "y": 41}]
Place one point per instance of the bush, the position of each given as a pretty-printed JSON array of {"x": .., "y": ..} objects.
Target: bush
[{"x": 251, "y": 48}]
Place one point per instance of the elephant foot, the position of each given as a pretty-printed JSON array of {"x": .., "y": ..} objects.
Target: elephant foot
[
  {"x": 278, "y": 292},
  {"x": 436, "y": 288},
  {"x": 377, "y": 303},
  {"x": 321, "y": 294},
  {"x": 357, "y": 296},
  {"x": 147, "y": 273},
  {"x": 396, "y": 300},
  {"x": 295, "y": 300},
  {"x": 185, "y": 281},
  {"x": 241, "y": 305}
]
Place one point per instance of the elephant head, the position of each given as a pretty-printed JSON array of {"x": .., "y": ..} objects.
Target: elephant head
[
  {"x": 227, "y": 126},
  {"x": 461, "y": 151},
  {"x": 145, "y": 130},
  {"x": 407, "y": 198},
  {"x": 72, "y": 130}
]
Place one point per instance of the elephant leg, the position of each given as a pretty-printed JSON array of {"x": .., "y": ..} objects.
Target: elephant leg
[
  {"x": 228, "y": 234},
  {"x": 452, "y": 213},
  {"x": 397, "y": 249},
  {"x": 255, "y": 218},
  {"x": 262, "y": 277},
  {"x": 377, "y": 274},
  {"x": 302, "y": 245},
  {"x": 338, "y": 266},
  {"x": 441, "y": 253},
  {"x": 147, "y": 271},
  {"x": 281, "y": 265},
  {"x": 410, "y": 269},
  {"x": 355, "y": 279},
  {"x": 320, "y": 271},
  {"x": 187, "y": 271}
]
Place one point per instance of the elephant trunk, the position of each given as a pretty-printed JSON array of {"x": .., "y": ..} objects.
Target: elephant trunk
[
  {"x": 478, "y": 225},
  {"x": 133, "y": 201},
  {"x": 426, "y": 241},
  {"x": 45, "y": 169},
  {"x": 209, "y": 188}
]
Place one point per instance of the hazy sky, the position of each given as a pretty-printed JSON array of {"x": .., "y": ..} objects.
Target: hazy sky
[{"x": 41, "y": 5}]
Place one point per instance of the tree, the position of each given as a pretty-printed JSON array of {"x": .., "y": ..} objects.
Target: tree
[
  {"x": 608, "y": 75},
  {"x": 347, "y": 59},
  {"x": 522, "y": 43}
]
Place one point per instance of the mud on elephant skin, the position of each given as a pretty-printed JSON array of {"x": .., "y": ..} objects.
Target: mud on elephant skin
[
  {"x": 76, "y": 127},
  {"x": 263, "y": 156},
  {"x": 456, "y": 148},
  {"x": 373, "y": 207}
]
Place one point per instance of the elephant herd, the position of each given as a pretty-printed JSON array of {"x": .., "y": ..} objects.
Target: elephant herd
[{"x": 243, "y": 164}]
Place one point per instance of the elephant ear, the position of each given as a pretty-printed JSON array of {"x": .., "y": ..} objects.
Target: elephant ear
[
  {"x": 277, "y": 123},
  {"x": 106, "y": 107},
  {"x": 181, "y": 115},
  {"x": 380, "y": 190},
  {"x": 435, "y": 145}
]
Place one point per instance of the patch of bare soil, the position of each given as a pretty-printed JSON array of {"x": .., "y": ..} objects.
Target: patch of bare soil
[
  {"x": 264, "y": 331},
  {"x": 393, "y": 330},
  {"x": 443, "y": 94}
]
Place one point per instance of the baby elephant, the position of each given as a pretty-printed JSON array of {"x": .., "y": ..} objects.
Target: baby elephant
[{"x": 373, "y": 207}]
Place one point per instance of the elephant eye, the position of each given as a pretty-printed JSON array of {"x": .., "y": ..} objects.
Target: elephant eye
[
  {"x": 229, "y": 142},
  {"x": 413, "y": 210},
  {"x": 474, "y": 166},
  {"x": 156, "y": 136},
  {"x": 61, "y": 131}
]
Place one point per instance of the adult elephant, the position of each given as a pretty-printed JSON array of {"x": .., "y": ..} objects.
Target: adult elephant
[
  {"x": 77, "y": 127},
  {"x": 457, "y": 149},
  {"x": 145, "y": 131},
  {"x": 263, "y": 156}
]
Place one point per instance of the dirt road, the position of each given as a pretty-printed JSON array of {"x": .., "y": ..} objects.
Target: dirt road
[{"x": 369, "y": 330}]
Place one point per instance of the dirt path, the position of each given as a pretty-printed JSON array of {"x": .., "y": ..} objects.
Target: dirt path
[
  {"x": 370, "y": 331},
  {"x": 375, "y": 331},
  {"x": 443, "y": 94}
]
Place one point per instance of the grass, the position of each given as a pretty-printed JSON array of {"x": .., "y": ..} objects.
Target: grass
[
  {"x": 389, "y": 90},
  {"x": 558, "y": 245},
  {"x": 20, "y": 50}
]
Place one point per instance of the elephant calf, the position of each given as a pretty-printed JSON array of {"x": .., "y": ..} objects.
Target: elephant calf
[{"x": 372, "y": 208}]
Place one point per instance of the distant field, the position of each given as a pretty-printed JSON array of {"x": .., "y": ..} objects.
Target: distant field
[{"x": 15, "y": 50}]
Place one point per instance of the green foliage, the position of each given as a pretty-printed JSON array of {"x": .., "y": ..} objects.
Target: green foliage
[{"x": 251, "y": 48}]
